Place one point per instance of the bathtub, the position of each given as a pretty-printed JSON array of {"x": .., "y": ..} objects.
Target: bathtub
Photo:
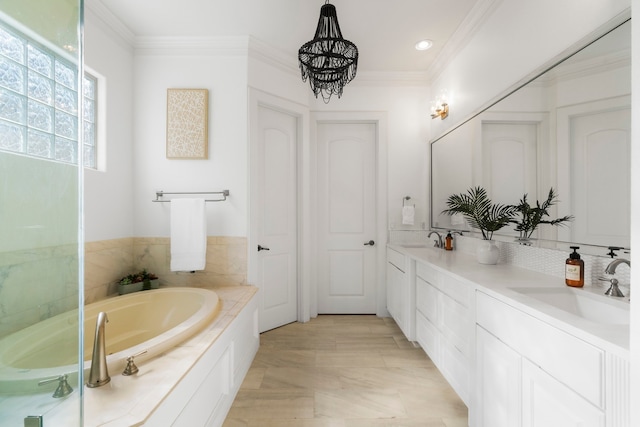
[{"x": 152, "y": 321}]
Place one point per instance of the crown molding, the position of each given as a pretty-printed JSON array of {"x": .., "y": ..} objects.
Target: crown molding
[
  {"x": 192, "y": 46},
  {"x": 476, "y": 18},
  {"x": 110, "y": 22}
]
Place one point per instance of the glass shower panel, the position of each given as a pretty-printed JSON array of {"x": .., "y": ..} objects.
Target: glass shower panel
[{"x": 41, "y": 243}]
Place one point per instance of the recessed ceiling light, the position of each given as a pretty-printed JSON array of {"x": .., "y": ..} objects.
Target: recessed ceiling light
[{"x": 424, "y": 44}]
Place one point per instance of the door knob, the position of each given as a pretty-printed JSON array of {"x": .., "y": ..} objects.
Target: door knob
[
  {"x": 262, "y": 248},
  {"x": 370, "y": 243}
]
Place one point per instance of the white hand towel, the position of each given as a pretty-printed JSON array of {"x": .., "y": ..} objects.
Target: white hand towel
[
  {"x": 408, "y": 214},
  {"x": 188, "y": 234}
]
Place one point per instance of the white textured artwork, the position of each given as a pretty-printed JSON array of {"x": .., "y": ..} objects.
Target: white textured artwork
[{"x": 187, "y": 114}]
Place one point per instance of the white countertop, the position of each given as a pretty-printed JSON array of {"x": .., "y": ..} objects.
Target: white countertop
[{"x": 500, "y": 280}]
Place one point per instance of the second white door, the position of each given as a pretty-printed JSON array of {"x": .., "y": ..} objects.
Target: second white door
[{"x": 347, "y": 250}]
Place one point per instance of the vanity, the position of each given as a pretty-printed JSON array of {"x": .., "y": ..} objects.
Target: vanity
[{"x": 519, "y": 347}]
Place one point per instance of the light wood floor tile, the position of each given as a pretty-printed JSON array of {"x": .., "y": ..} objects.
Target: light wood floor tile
[
  {"x": 379, "y": 403},
  {"x": 344, "y": 371}
]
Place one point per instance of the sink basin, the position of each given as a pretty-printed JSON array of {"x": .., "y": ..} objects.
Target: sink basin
[
  {"x": 415, "y": 245},
  {"x": 581, "y": 303}
]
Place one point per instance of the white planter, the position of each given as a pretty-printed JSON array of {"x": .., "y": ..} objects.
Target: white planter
[{"x": 487, "y": 252}]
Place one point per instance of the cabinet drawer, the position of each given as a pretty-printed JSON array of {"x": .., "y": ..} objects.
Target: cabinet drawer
[
  {"x": 570, "y": 360},
  {"x": 460, "y": 291},
  {"x": 428, "y": 337},
  {"x": 396, "y": 258},
  {"x": 428, "y": 274},
  {"x": 427, "y": 300},
  {"x": 457, "y": 325}
]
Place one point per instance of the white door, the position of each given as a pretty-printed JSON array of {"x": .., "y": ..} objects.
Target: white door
[
  {"x": 601, "y": 141},
  {"x": 346, "y": 203},
  {"x": 274, "y": 198},
  {"x": 509, "y": 161}
]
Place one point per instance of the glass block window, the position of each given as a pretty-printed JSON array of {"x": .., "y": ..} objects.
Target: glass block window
[{"x": 39, "y": 103}]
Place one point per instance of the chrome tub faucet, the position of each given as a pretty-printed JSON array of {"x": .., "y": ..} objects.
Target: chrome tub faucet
[{"x": 99, "y": 374}]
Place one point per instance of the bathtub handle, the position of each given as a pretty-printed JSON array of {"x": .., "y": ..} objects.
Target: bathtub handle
[
  {"x": 131, "y": 367},
  {"x": 64, "y": 389}
]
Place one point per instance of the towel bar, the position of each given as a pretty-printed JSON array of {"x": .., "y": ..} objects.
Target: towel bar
[{"x": 160, "y": 194}]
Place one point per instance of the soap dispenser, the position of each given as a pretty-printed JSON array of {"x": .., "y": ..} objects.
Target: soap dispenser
[
  {"x": 574, "y": 269},
  {"x": 448, "y": 242}
]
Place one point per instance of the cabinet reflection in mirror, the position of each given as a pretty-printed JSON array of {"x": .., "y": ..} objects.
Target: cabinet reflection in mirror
[{"x": 568, "y": 129}]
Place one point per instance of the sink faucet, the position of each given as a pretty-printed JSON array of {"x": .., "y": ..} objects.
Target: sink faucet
[
  {"x": 438, "y": 243},
  {"x": 611, "y": 268},
  {"x": 99, "y": 374}
]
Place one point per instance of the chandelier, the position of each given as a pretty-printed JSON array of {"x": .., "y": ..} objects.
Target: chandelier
[{"x": 328, "y": 61}]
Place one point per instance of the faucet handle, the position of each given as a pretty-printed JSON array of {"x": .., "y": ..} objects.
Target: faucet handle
[
  {"x": 64, "y": 389},
  {"x": 131, "y": 367},
  {"x": 614, "y": 290}
]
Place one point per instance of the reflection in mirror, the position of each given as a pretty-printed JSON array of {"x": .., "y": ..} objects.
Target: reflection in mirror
[{"x": 569, "y": 129}]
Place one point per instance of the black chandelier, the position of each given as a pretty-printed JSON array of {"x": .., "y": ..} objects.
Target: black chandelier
[{"x": 328, "y": 61}]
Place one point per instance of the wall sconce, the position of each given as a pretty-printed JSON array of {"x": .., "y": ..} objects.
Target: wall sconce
[
  {"x": 441, "y": 111},
  {"x": 440, "y": 106}
]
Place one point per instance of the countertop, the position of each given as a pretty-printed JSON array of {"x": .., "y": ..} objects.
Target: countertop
[{"x": 501, "y": 281}]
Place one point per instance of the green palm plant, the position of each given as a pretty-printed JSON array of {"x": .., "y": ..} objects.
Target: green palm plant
[
  {"x": 479, "y": 211},
  {"x": 531, "y": 217}
]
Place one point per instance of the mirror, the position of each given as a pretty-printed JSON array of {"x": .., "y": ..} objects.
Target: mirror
[{"x": 568, "y": 129}]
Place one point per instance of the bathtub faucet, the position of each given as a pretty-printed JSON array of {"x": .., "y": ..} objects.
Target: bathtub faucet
[{"x": 99, "y": 374}]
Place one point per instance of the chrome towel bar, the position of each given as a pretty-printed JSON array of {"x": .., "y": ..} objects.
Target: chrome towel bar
[{"x": 224, "y": 193}]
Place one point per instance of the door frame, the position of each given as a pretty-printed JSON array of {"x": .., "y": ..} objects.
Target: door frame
[
  {"x": 257, "y": 99},
  {"x": 379, "y": 119}
]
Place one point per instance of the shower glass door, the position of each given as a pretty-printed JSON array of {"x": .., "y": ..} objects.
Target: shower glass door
[{"x": 41, "y": 244}]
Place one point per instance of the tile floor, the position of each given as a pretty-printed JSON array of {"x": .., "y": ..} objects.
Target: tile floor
[{"x": 344, "y": 371}]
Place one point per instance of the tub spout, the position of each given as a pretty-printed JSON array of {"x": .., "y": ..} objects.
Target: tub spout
[{"x": 99, "y": 374}]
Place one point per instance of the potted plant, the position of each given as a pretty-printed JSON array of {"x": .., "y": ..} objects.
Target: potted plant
[
  {"x": 142, "y": 280},
  {"x": 481, "y": 213},
  {"x": 532, "y": 216}
]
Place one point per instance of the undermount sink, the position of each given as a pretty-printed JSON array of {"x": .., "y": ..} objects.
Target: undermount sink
[
  {"x": 414, "y": 245},
  {"x": 581, "y": 303}
]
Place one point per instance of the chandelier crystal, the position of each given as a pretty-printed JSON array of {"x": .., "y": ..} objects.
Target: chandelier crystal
[{"x": 328, "y": 61}]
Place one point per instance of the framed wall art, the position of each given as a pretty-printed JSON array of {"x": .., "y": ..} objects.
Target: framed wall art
[{"x": 187, "y": 123}]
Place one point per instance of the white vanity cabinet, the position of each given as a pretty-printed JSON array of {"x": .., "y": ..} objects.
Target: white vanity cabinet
[
  {"x": 532, "y": 374},
  {"x": 444, "y": 324},
  {"x": 401, "y": 291}
]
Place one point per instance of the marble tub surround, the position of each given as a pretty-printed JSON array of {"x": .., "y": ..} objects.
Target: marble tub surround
[
  {"x": 344, "y": 371},
  {"x": 109, "y": 260},
  {"x": 128, "y": 401}
]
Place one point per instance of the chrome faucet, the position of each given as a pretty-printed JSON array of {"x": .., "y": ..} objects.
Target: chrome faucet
[
  {"x": 437, "y": 243},
  {"x": 99, "y": 374}
]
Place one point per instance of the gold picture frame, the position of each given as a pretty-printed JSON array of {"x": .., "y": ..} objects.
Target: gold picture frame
[{"x": 187, "y": 123}]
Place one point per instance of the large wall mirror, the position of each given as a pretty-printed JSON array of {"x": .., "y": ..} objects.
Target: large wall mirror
[{"x": 568, "y": 129}]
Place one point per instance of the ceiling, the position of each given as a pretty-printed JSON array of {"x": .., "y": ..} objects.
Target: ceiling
[{"x": 385, "y": 32}]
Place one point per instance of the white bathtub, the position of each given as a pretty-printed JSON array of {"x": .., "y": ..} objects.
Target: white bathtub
[{"x": 154, "y": 320}]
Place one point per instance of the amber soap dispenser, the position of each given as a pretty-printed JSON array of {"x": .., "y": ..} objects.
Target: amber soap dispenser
[{"x": 574, "y": 269}]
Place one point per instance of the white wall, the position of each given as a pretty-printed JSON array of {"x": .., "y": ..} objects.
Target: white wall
[
  {"x": 225, "y": 76},
  {"x": 109, "y": 193},
  {"x": 517, "y": 38}
]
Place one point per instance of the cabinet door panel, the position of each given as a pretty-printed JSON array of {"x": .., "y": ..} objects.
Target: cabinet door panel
[
  {"x": 456, "y": 324},
  {"x": 549, "y": 403},
  {"x": 498, "y": 382}
]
